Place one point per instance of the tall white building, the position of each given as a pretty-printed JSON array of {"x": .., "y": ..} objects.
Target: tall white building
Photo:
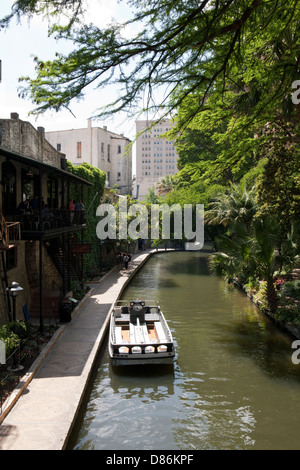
[
  {"x": 100, "y": 148},
  {"x": 156, "y": 157}
]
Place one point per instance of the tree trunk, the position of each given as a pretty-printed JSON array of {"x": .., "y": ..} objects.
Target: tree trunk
[{"x": 272, "y": 297}]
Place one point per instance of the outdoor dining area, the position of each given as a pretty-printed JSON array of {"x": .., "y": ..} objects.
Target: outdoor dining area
[{"x": 34, "y": 218}]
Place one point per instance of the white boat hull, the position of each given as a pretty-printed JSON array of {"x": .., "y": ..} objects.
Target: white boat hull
[
  {"x": 139, "y": 338},
  {"x": 141, "y": 360}
]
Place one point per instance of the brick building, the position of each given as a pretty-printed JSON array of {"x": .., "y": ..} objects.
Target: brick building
[{"x": 36, "y": 239}]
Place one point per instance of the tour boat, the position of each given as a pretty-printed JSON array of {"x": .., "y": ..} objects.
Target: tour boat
[{"x": 139, "y": 334}]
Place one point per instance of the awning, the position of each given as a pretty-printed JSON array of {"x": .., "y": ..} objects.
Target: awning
[{"x": 41, "y": 165}]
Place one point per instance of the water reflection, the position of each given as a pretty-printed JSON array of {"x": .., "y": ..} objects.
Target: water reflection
[
  {"x": 232, "y": 385},
  {"x": 152, "y": 380}
]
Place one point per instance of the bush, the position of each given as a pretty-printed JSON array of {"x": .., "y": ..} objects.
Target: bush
[
  {"x": 288, "y": 313},
  {"x": 9, "y": 338},
  {"x": 261, "y": 295},
  {"x": 252, "y": 285},
  {"x": 291, "y": 289},
  {"x": 22, "y": 329},
  {"x": 13, "y": 334},
  {"x": 79, "y": 289}
]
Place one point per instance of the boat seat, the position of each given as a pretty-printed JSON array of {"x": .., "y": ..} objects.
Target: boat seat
[
  {"x": 119, "y": 337},
  {"x": 132, "y": 334},
  {"x": 152, "y": 317},
  {"x": 118, "y": 331},
  {"x": 160, "y": 333},
  {"x": 122, "y": 319},
  {"x": 144, "y": 330}
]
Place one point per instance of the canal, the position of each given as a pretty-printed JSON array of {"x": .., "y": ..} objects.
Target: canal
[{"x": 233, "y": 384}]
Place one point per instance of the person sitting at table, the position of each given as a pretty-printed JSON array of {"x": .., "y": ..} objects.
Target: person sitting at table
[
  {"x": 23, "y": 207},
  {"x": 47, "y": 212},
  {"x": 34, "y": 204}
]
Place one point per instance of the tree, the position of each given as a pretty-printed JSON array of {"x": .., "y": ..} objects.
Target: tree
[
  {"x": 235, "y": 205},
  {"x": 226, "y": 67},
  {"x": 165, "y": 185},
  {"x": 243, "y": 256},
  {"x": 253, "y": 245},
  {"x": 278, "y": 186},
  {"x": 192, "y": 49}
]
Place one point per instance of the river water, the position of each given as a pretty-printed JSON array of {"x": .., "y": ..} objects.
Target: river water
[{"x": 233, "y": 384}]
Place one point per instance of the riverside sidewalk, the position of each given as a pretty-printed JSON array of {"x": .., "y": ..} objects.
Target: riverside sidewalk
[{"x": 43, "y": 416}]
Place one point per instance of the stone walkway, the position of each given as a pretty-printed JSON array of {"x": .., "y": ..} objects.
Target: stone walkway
[{"x": 43, "y": 415}]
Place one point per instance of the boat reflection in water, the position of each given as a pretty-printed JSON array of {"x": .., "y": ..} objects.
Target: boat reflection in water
[{"x": 139, "y": 334}]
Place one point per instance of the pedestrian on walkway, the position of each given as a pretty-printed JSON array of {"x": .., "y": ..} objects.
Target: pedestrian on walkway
[
  {"x": 120, "y": 260},
  {"x": 126, "y": 260}
]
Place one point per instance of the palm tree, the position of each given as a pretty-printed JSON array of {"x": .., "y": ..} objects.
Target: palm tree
[
  {"x": 236, "y": 205},
  {"x": 263, "y": 259},
  {"x": 230, "y": 261},
  {"x": 254, "y": 245},
  {"x": 164, "y": 185},
  {"x": 245, "y": 256}
]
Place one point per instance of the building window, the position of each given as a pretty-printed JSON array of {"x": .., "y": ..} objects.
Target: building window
[
  {"x": 119, "y": 176},
  {"x": 79, "y": 150},
  {"x": 119, "y": 149},
  {"x": 108, "y": 153},
  {"x": 102, "y": 151},
  {"x": 58, "y": 147}
]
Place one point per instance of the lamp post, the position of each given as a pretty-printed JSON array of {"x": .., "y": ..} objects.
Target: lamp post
[{"x": 14, "y": 290}]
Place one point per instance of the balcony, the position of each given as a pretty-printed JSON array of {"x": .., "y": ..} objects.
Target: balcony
[{"x": 50, "y": 223}]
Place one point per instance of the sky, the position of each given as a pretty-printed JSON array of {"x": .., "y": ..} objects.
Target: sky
[{"x": 21, "y": 42}]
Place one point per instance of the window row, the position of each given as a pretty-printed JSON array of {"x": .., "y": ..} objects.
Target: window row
[{"x": 102, "y": 150}]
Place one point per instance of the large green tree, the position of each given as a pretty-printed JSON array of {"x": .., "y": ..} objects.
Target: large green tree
[
  {"x": 253, "y": 246},
  {"x": 248, "y": 47},
  {"x": 227, "y": 68}
]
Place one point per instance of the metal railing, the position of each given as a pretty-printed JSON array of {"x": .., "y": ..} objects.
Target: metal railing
[
  {"x": 10, "y": 232},
  {"x": 52, "y": 219}
]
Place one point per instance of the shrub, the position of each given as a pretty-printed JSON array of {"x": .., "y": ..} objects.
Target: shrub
[
  {"x": 261, "y": 295},
  {"x": 288, "y": 313},
  {"x": 292, "y": 289},
  {"x": 13, "y": 334},
  {"x": 9, "y": 338}
]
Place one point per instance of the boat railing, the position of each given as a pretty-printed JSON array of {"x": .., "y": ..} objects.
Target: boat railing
[
  {"x": 131, "y": 347},
  {"x": 148, "y": 303}
]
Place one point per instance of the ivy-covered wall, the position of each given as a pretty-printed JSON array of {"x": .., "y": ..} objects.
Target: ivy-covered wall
[{"x": 91, "y": 197}]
